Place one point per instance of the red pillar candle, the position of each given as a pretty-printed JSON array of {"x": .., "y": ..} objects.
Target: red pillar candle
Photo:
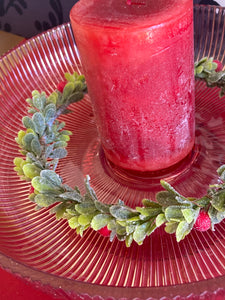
[{"x": 137, "y": 57}]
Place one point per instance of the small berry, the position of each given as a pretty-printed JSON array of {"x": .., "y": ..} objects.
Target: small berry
[
  {"x": 61, "y": 85},
  {"x": 31, "y": 190},
  {"x": 219, "y": 65},
  {"x": 104, "y": 231},
  {"x": 203, "y": 221}
]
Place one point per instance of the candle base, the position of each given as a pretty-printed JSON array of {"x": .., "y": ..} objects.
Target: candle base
[{"x": 147, "y": 180}]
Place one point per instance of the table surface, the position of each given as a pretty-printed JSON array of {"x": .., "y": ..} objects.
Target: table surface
[{"x": 13, "y": 287}]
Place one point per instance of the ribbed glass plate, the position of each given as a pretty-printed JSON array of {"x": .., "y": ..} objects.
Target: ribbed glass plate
[{"x": 49, "y": 253}]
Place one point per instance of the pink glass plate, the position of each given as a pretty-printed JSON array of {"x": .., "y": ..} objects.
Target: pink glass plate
[{"x": 50, "y": 254}]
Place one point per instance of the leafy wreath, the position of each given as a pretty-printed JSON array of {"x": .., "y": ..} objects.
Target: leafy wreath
[{"x": 44, "y": 142}]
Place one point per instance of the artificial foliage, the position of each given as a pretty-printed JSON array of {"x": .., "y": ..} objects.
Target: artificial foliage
[{"x": 43, "y": 143}]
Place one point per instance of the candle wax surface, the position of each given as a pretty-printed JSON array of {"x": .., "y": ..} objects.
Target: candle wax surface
[{"x": 138, "y": 62}]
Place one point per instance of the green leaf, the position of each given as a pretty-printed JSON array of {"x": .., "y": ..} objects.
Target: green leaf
[
  {"x": 45, "y": 200},
  {"x": 59, "y": 210},
  {"x": 174, "y": 213},
  {"x": 149, "y": 211},
  {"x": 68, "y": 89},
  {"x": 39, "y": 101},
  {"x": 49, "y": 138},
  {"x": 26, "y": 141},
  {"x": 73, "y": 196},
  {"x": 215, "y": 216},
  {"x": 169, "y": 188},
  {"x": 190, "y": 214},
  {"x": 42, "y": 185},
  {"x": 85, "y": 208},
  {"x": 60, "y": 144},
  {"x": 171, "y": 227},
  {"x": 58, "y": 153},
  {"x": 99, "y": 221},
  {"x": 140, "y": 232},
  {"x": 39, "y": 123},
  {"x": 218, "y": 201},
  {"x": 165, "y": 198},
  {"x": 104, "y": 208},
  {"x": 73, "y": 222},
  {"x": 129, "y": 240},
  {"x": 182, "y": 230},
  {"x": 204, "y": 201},
  {"x": 51, "y": 177},
  {"x": 28, "y": 123},
  {"x": 85, "y": 220},
  {"x": 160, "y": 219},
  {"x": 122, "y": 212},
  {"x": 130, "y": 228},
  {"x": 49, "y": 112},
  {"x": 36, "y": 147},
  {"x": 149, "y": 203},
  {"x": 220, "y": 170},
  {"x": 89, "y": 190},
  {"x": 184, "y": 201},
  {"x": 31, "y": 171}
]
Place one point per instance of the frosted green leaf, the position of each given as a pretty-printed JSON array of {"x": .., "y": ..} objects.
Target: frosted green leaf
[
  {"x": 68, "y": 89},
  {"x": 58, "y": 153},
  {"x": 149, "y": 203},
  {"x": 39, "y": 101},
  {"x": 49, "y": 138},
  {"x": 60, "y": 144},
  {"x": 218, "y": 201},
  {"x": 28, "y": 123},
  {"x": 104, "y": 208},
  {"x": 120, "y": 231},
  {"x": 174, "y": 213},
  {"x": 42, "y": 185},
  {"x": 59, "y": 210},
  {"x": 199, "y": 70},
  {"x": 171, "y": 227},
  {"x": 36, "y": 147},
  {"x": 130, "y": 229},
  {"x": 190, "y": 214},
  {"x": 99, "y": 221},
  {"x": 85, "y": 220},
  {"x": 39, "y": 122},
  {"x": 85, "y": 208},
  {"x": 149, "y": 211},
  {"x": 49, "y": 112},
  {"x": 31, "y": 171},
  {"x": 204, "y": 201},
  {"x": 66, "y": 132},
  {"x": 45, "y": 200},
  {"x": 160, "y": 219},
  {"x": 63, "y": 138},
  {"x": 182, "y": 230},
  {"x": 221, "y": 169},
  {"x": 169, "y": 188},
  {"x": 129, "y": 240},
  {"x": 122, "y": 212},
  {"x": 27, "y": 139},
  {"x": 53, "y": 98},
  {"x": 73, "y": 222},
  {"x": 165, "y": 198},
  {"x": 74, "y": 196},
  {"x": 89, "y": 190},
  {"x": 141, "y": 232},
  {"x": 17, "y": 161},
  {"x": 52, "y": 177},
  {"x": 69, "y": 77}
]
